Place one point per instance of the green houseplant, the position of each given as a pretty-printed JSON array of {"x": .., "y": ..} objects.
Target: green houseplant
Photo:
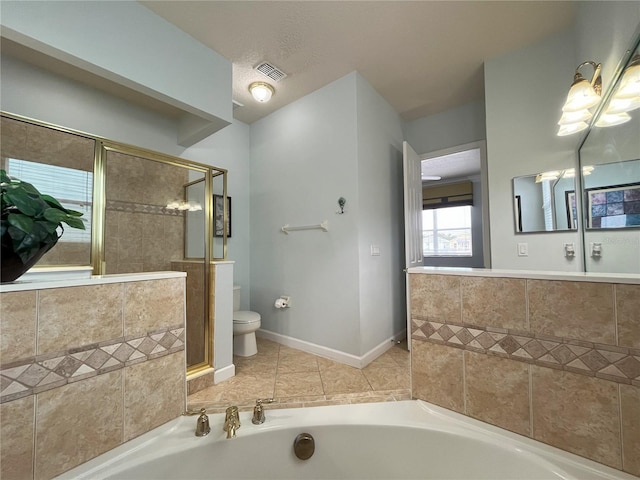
[{"x": 29, "y": 225}]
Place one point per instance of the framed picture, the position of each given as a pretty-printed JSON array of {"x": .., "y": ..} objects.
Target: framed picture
[
  {"x": 572, "y": 211},
  {"x": 615, "y": 206},
  {"x": 218, "y": 216}
]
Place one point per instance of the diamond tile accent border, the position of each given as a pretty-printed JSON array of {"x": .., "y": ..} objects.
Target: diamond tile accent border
[
  {"x": 130, "y": 207},
  {"x": 49, "y": 371},
  {"x": 609, "y": 362}
]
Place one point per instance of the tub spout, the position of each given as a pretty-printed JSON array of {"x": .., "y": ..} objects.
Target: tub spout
[
  {"x": 231, "y": 422},
  {"x": 202, "y": 427}
]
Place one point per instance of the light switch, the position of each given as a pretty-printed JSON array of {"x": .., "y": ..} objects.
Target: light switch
[
  {"x": 523, "y": 249},
  {"x": 375, "y": 250}
]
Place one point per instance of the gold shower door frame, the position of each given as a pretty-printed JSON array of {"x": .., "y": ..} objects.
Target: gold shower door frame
[{"x": 102, "y": 147}]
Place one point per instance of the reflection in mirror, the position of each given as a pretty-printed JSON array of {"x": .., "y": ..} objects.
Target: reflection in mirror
[
  {"x": 194, "y": 221},
  {"x": 611, "y": 193},
  {"x": 545, "y": 202}
]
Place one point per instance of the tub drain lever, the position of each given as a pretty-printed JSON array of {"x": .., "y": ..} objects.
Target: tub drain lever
[{"x": 303, "y": 446}]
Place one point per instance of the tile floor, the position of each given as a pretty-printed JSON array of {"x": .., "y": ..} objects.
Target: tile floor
[{"x": 298, "y": 379}]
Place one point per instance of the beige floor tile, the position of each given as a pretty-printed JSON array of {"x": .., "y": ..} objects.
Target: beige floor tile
[
  {"x": 401, "y": 355},
  {"x": 267, "y": 346},
  {"x": 296, "y": 362},
  {"x": 384, "y": 360},
  {"x": 387, "y": 378},
  {"x": 343, "y": 379},
  {"x": 300, "y": 383},
  {"x": 296, "y": 379},
  {"x": 237, "y": 389},
  {"x": 257, "y": 365}
]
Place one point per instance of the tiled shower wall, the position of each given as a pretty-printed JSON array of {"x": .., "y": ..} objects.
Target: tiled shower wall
[
  {"x": 141, "y": 233},
  {"x": 557, "y": 361},
  {"x": 86, "y": 368}
]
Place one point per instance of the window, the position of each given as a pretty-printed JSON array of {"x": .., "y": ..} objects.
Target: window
[
  {"x": 72, "y": 188},
  {"x": 446, "y": 232}
]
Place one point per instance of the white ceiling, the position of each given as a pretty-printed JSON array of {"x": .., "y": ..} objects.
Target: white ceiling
[
  {"x": 453, "y": 166},
  {"x": 423, "y": 57}
]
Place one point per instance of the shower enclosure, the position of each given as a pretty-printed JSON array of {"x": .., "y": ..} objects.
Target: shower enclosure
[{"x": 144, "y": 212}]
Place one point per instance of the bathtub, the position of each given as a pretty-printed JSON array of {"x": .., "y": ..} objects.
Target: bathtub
[{"x": 394, "y": 440}]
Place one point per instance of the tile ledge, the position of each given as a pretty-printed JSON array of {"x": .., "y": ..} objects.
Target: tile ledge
[
  {"x": 625, "y": 278},
  {"x": 25, "y": 285}
]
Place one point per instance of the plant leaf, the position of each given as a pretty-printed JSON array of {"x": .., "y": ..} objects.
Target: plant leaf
[
  {"x": 20, "y": 221},
  {"x": 75, "y": 222}
]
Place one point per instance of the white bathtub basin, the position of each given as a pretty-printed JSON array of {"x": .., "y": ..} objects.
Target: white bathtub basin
[{"x": 395, "y": 440}]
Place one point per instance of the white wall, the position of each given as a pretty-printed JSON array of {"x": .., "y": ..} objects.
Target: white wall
[
  {"x": 343, "y": 140},
  {"x": 524, "y": 93},
  {"x": 32, "y": 92},
  {"x": 303, "y": 158},
  {"x": 229, "y": 149},
  {"x": 381, "y": 219},
  {"x": 457, "y": 126},
  {"x": 521, "y": 128},
  {"x": 165, "y": 63}
]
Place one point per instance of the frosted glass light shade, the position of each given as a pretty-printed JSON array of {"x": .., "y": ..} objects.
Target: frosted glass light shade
[
  {"x": 630, "y": 83},
  {"x": 261, "y": 92},
  {"x": 611, "y": 119},
  {"x": 575, "y": 117},
  {"x": 581, "y": 96},
  {"x": 620, "y": 105},
  {"x": 571, "y": 128}
]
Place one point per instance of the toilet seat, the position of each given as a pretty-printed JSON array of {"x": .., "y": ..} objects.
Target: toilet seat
[{"x": 245, "y": 316}]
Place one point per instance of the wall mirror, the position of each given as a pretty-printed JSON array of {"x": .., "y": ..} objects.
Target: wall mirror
[
  {"x": 545, "y": 202},
  {"x": 610, "y": 180}
]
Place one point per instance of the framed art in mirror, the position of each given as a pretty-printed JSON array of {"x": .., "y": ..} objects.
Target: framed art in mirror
[{"x": 218, "y": 216}]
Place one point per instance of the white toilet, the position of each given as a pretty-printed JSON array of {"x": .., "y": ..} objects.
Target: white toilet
[{"x": 245, "y": 324}]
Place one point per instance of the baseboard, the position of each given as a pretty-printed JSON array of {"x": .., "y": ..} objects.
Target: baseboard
[
  {"x": 330, "y": 353},
  {"x": 224, "y": 373}
]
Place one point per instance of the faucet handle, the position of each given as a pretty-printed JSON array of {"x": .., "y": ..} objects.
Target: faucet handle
[
  {"x": 202, "y": 426},
  {"x": 258, "y": 410}
]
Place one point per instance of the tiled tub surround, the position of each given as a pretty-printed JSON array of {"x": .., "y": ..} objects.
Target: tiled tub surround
[
  {"x": 85, "y": 366},
  {"x": 556, "y": 359}
]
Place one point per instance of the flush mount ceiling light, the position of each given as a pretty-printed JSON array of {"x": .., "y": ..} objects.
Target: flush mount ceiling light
[
  {"x": 582, "y": 95},
  {"x": 261, "y": 91},
  {"x": 431, "y": 177}
]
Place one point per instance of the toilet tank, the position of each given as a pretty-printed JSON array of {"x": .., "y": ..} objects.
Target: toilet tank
[{"x": 236, "y": 298}]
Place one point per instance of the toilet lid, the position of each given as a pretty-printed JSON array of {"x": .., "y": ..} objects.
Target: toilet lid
[{"x": 245, "y": 316}]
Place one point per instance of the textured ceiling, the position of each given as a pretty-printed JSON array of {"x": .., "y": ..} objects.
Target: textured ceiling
[
  {"x": 455, "y": 165},
  {"x": 423, "y": 57}
]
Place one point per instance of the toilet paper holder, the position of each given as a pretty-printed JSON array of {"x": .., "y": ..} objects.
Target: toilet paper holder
[{"x": 283, "y": 302}]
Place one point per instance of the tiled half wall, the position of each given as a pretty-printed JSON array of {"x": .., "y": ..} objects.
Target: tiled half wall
[
  {"x": 86, "y": 368},
  {"x": 557, "y": 361}
]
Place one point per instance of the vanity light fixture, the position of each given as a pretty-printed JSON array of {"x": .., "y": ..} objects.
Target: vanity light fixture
[
  {"x": 547, "y": 176},
  {"x": 571, "y": 172},
  {"x": 261, "y": 91},
  {"x": 582, "y": 95}
]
